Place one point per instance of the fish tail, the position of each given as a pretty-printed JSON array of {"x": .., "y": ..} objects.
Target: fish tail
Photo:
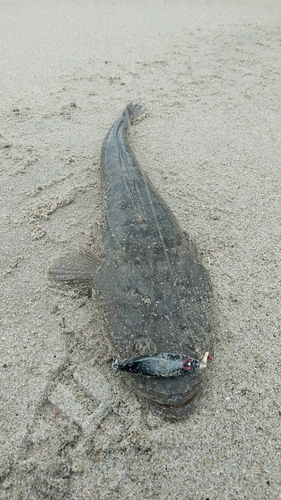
[{"x": 132, "y": 111}]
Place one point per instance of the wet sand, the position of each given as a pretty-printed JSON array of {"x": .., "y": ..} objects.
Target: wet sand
[{"x": 210, "y": 142}]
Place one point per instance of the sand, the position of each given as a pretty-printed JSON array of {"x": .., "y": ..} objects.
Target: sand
[{"x": 209, "y": 74}]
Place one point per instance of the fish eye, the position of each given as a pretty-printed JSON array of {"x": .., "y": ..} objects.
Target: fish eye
[{"x": 187, "y": 364}]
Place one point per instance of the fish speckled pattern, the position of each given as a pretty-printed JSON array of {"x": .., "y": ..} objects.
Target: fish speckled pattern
[{"x": 155, "y": 292}]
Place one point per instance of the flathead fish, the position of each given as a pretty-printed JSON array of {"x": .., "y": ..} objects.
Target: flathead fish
[{"x": 154, "y": 291}]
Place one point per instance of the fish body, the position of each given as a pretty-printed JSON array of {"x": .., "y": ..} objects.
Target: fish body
[{"x": 155, "y": 292}]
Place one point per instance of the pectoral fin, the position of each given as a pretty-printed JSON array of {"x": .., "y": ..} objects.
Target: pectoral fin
[{"x": 75, "y": 269}]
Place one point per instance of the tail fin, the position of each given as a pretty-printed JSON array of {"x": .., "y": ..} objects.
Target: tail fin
[{"x": 133, "y": 110}]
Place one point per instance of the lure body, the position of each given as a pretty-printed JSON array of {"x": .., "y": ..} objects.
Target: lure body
[{"x": 158, "y": 365}]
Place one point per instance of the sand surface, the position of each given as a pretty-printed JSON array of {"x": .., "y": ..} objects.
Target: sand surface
[{"x": 210, "y": 75}]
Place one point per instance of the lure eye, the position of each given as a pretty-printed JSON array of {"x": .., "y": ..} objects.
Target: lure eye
[{"x": 187, "y": 364}]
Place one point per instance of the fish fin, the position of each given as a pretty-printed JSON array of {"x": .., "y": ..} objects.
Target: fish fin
[
  {"x": 134, "y": 110},
  {"x": 191, "y": 245},
  {"x": 76, "y": 269}
]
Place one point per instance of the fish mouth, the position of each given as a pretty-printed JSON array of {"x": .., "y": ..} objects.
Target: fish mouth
[
  {"x": 191, "y": 396},
  {"x": 169, "y": 394},
  {"x": 183, "y": 401},
  {"x": 169, "y": 388}
]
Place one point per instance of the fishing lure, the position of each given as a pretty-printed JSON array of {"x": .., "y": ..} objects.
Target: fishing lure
[{"x": 161, "y": 365}]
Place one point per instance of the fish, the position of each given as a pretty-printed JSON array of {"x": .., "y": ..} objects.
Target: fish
[{"x": 154, "y": 291}]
